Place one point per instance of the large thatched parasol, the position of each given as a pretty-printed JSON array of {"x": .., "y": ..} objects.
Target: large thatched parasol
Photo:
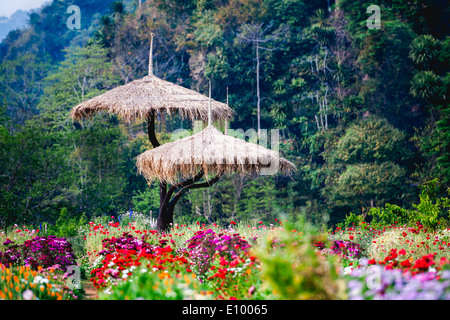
[
  {"x": 209, "y": 153},
  {"x": 140, "y": 99}
]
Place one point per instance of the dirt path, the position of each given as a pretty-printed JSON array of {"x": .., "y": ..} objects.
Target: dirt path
[{"x": 91, "y": 291}]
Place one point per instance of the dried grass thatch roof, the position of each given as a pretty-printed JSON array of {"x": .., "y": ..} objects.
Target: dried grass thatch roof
[
  {"x": 137, "y": 99},
  {"x": 211, "y": 151}
]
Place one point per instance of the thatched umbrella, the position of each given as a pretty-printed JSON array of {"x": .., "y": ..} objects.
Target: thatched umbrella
[
  {"x": 146, "y": 97},
  {"x": 208, "y": 153},
  {"x": 141, "y": 99},
  {"x": 212, "y": 152}
]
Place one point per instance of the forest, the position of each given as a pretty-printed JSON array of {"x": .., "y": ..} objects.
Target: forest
[{"x": 362, "y": 112}]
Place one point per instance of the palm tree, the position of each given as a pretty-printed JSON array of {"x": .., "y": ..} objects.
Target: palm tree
[
  {"x": 118, "y": 10},
  {"x": 424, "y": 49}
]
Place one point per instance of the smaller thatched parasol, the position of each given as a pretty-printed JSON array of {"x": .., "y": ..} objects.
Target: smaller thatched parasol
[{"x": 212, "y": 152}]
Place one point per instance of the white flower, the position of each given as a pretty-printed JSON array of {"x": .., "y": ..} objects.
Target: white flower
[
  {"x": 348, "y": 270},
  {"x": 40, "y": 280},
  {"x": 27, "y": 294}
]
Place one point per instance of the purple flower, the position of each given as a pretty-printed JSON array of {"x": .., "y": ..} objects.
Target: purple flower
[{"x": 40, "y": 251}]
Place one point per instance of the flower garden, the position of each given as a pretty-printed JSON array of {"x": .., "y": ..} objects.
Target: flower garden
[{"x": 275, "y": 260}]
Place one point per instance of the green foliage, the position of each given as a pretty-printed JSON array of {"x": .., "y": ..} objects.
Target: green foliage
[
  {"x": 424, "y": 49},
  {"x": 367, "y": 170},
  {"x": 147, "y": 200},
  {"x": 371, "y": 140},
  {"x": 66, "y": 226},
  {"x": 432, "y": 211},
  {"x": 389, "y": 215},
  {"x": 426, "y": 85}
]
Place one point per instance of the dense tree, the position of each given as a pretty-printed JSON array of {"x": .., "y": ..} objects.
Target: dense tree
[{"x": 364, "y": 168}]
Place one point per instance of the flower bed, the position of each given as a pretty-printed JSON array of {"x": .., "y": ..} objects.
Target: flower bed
[
  {"x": 378, "y": 283},
  {"x": 121, "y": 256},
  {"x": 24, "y": 283}
]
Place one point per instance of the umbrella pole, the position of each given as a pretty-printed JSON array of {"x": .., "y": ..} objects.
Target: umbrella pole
[{"x": 162, "y": 185}]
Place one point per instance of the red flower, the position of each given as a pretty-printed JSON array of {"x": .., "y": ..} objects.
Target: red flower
[
  {"x": 405, "y": 264},
  {"x": 372, "y": 261},
  {"x": 232, "y": 222},
  {"x": 402, "y": 252},
  {"x": 443, "y": 261}
]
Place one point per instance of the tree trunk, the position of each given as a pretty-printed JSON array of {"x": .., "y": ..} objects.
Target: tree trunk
[
  {"x": 258, "y": 110},
  {"x": 162, "y": 221}
]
